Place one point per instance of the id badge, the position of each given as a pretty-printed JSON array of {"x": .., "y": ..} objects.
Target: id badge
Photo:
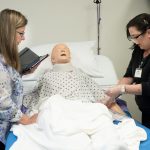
[{"x": 138, "y": 73}]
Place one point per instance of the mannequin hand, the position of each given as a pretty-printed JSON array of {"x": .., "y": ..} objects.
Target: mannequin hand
[
  {"x": 110, "y": 104},
  {"x": 115, "y": 91},
  {"x": 107, "y": 100}
]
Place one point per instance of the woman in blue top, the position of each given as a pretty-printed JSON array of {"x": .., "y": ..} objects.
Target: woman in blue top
[{"x": 12, "y": 29}]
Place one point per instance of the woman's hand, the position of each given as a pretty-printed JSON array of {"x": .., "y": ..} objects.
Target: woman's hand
[
  {"x": 31, "y": 70},
  {"x": 25, "y": 120},
  {"x": 33, "y": 118},
  {"x": 115, "y": 91}
]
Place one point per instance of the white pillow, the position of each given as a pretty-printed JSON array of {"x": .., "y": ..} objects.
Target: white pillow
[
  {"x": 82, "y": 54},
  {"x": 110, "y": 77},
  {"x": 83, "y": 57}
]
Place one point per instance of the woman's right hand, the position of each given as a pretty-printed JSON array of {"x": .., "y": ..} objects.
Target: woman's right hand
[
  {"x": 115, "y": 91},
  {"x": 25, "y": 120}
]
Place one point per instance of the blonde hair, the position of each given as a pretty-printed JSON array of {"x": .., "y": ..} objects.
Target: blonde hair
[{"x": 10, "y": 20}]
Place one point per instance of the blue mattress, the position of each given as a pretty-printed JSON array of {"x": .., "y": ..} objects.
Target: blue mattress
[
  {"x": 145, "y": 145},
  {"x": 10, "y": 140}
]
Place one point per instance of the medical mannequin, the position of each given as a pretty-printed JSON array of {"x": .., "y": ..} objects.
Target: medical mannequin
[
  {"x": 60, "y": 58},
  {"x": 69, "y": 82}
]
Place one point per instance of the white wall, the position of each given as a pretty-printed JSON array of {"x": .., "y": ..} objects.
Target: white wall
[
  {"x": 69, "y": 20},
  {"x": 52, "y": 20}
]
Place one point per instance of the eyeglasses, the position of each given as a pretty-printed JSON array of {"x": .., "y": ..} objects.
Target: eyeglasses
[
  {"x": 131, "y": 38},
  {"x": 21, "y": 33}
]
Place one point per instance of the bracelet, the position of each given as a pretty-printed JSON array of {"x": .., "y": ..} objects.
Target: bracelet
[{"x": 123, "y": 89}]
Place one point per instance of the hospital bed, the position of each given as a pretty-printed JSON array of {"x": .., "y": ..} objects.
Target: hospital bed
[{"x": 99, "y": 67}]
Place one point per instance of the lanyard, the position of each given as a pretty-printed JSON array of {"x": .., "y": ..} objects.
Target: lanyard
[
  {"x": 138, "y": 71},
  {"x": 144, "y": 61},
  {"x": 141, "y": 64}
]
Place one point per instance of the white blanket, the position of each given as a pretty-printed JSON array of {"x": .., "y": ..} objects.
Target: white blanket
[{"x": 72, "y": 125}]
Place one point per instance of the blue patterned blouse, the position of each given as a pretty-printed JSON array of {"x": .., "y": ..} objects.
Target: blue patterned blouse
[{"x": 11, "y": 94}]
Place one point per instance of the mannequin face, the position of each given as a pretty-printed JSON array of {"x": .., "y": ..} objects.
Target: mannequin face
[{"x": 60, "y": 54}]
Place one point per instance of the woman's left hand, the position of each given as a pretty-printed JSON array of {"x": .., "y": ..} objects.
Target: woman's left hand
[{"x": 33, "y": 118}]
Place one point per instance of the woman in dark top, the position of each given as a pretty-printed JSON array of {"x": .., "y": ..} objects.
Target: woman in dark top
[{"x": 137, "y": 77}]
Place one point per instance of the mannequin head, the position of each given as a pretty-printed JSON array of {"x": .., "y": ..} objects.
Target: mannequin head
[{"x": 60, "y": 54}]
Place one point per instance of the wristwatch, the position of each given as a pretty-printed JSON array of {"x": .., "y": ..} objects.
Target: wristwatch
[{"x": 123, "y": 89}]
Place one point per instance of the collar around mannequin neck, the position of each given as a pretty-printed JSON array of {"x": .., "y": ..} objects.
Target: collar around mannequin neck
[{"x": 67, "y": 67}]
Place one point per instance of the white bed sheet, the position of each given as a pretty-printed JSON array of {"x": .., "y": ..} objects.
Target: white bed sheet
[{"x": 73, "y": 125}]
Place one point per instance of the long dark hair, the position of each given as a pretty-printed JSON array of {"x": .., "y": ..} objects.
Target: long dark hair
[{"x": 141, "y": 22}]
